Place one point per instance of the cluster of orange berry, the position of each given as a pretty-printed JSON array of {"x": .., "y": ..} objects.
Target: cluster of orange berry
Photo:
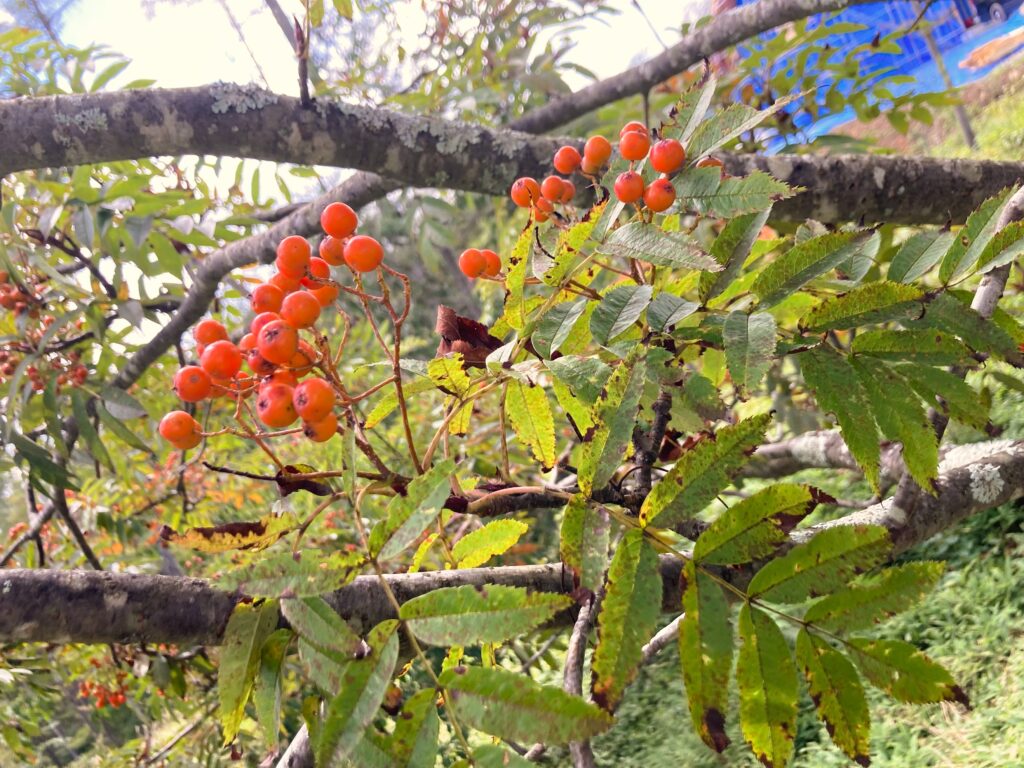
[
  {"x": 103, "y": 694},
  {"x": 286, "y": 304},
  {"x": 66, "y": 368},
  {"x": 15, "y": 298},
  {"x": 475, "y": 262}
]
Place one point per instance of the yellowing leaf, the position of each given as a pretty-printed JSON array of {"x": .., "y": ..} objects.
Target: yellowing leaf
[
  {"x": 255, "y": 535},
  {"x": 497, "y": 537},
  {"x": 530, "y": 414}
]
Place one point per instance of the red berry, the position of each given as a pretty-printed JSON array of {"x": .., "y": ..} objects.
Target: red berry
[
  {"x": 568, "y": 192},
  {"x": 363, "y": 253},
  {"x": 332, "y": 250},
  {"x": 262, "y": 319},
  {"x": 339, "y": 220},
  {"x": 472, "y": 263},
  {"x": 192, "y": 384},
  {"x": 493, "y": 263},
  {"x": 300, "y": 309},
  {"x": 258, "y": 365},
  {"x": 208, "y": 331},
  {"x": 277, "y": 342},
  {"x": 313, "y": 399},
  {"x": 551, "y": 188},
  {"x": 525, "y": 192},
  {"x": 634, "y": 146},
  {"x": 248, "y": 342},
  {"x": 266, "y": 298},
  {"x": 221, "y": 360},
  {"x": 274, "y": 406},
  {"x": 326, "y": 295},
  {"x": 321, "y": 431},
  {"x": 629, "y": 187},
  {"x": 180, "y": 430},
  {"x": 286, "y": 283},
  {"x": 319, "y": 273},
  {"x": 659, "y": 195},
  {"x": 667, "y": 156},
  {"x": 293, "y": 256},
  {"x": 634, "y": 126},
  {"x": 596, "y": 151},
  {"x": 567, "y": 160},
  {"x": 280, "y": 376}
]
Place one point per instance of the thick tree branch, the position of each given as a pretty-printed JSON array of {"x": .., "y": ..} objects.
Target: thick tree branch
[{"x": 100, "y": 607}]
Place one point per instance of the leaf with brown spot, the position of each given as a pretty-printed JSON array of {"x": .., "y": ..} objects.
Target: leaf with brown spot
[
  {"x": 255, "y": 535},
  {"x": 288, "y": 483}
]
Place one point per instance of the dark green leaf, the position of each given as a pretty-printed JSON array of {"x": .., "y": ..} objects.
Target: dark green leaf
[
  {"x": 408, "y": 516},
  {"x": 554, "y": 328},
  {"x": 666, "y": 310},
  {"x": 248, "y": 628},
  {"x": 920, "y": 346},
  {"x": 749, "y": 347},
  {"x": 918, "y": 255},
  {"x": 647, "y": 242},
  {"x": 869, "y": 304},
  {"x": 618, "y": 310},
  {"x": 804, "y": 262}
]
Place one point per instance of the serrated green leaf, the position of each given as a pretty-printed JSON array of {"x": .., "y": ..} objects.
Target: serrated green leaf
[
  {"x": 729, "y": 123},
  {"x": 1005, "y": 247},
  {"x": 947, "y": 392},
  {"x": 554, "y": 328},
  {"x": 416, "y": 731},
  {"x": 753, "y": 528},
  {"x": 267, "y": 690},
  {"x": 496, "y": 538},
  {"x": 666, "y": 310},
  {"x": 647, "y": 242},
  {"x": 692, "y": 106},
  {"x": 705, "y": 651},
  {"x": 749, "y": 347},
  {"x": 514, "y": 707},
  {"x": 469, "y": 615},
  {"x": 407, "y": 517},
  {"x": 702, "y": 472},
  {"x": 583, "y": 542},
  {"x": 530, "y": 415},
  {"x": 970, "y": 241},
  {"x": 767, "y": 680},
  {"x": 947, "y": 313},
  {"x": 324, "y": 668},
  {"x": 570, "y": 241},
  {"x": 305, "y": 574},
  {"x": 613, "y": 416},
  {"x": 316, "y": 622},
  {"x": 837, "y": 694},
  {"x": 628, "y": 617},
  {"x": 904, "y": 672},
  {"x": 585, "y": 376},
  {"x": 824, "y": 563},
  {"x": 919, "y": 346},
  {"x": 804, "y": 262},
  {"x": 875, "y": 597},
  {"x": 618, "y": 310},
  {"x": 711, "y": 194},
  {"x": 918, "y": 255},
  {"x": 869, "y": 304},
  {"x": 389, "y": 402},
  {"x": 836, "y": 388},
  {"x": 362, "y": 689},
  {"x": 901, "y": 417},
  {"x": 248, "y": 628},
  {"x": 515, "y": 280},
  {"x": 731, "y": 249}
]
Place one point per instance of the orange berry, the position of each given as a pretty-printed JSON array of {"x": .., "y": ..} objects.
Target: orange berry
[
  {"x": 178, "y": 426},
  {"x": 567, "y": 160},
  {"x": 321, "y": 431},
  {"x": 258, "y": 365},
  {"x": 286, "y": 283},
  {"x": 221, "y": 360},
  {"x": 277, "y": 342},
  {"x": 589, "y": 169},
  {"x": 568, "y": 192},
  {"x": 326, "y": 295},
  {"x": 596, "y": 151},
  {"x": 472, "y": 263},
  {"x": 208, "y": 331},
  {"x": 332, "y": 250},
  {"x": 293, "y": 256},
  {"x": 633, "y": 126},
  {"x": 543, "y": 205},
  {"x": 192, "y": 384},
  {"x": 280, "y": 376},
  {"x": 300, "y": 309},
  {"x": 339, "y": 220},
  {"x": 629, "y": 187},
  {"x": 363, "y": 253},
  {"x": 248, "y": 342},
  {"x": 710, "y": 162},
  {"x": 667, "y": 156},
  {"x": 274, "y": 406},
  {"x": 659, "y": 195},
  {"x": 634, "y": 146},
  {"x": 302, "y": 361},
  {"x": 540, "y": 215},
  {"x": 493, "y": 260},
  {"x": 551, "y": 188},
  {"x": 266, "y": 298},
  {"x": 313, "y": 399},
  {"x": 319, "y": 271},
  {"x": 525, "y": 192}
]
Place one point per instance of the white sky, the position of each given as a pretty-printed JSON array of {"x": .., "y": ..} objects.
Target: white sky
[{"x": 182, "y": 45}]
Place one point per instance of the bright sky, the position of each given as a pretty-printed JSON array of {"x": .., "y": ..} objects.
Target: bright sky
[{"x": 193, "y": 44}]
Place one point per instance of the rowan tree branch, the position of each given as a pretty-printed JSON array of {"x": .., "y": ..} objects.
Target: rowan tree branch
[{"x": 102, "y": 607}]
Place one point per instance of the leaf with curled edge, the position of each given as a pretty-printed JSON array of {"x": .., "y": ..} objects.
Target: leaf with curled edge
[
  {"x": 254, "y": 535},
  {"x": 463, "y": 335},
  {"x": 288, "y": 482}
]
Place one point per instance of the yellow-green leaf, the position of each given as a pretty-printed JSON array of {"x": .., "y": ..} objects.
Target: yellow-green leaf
[
  {"x": 249, "y": 625},
  {"x": 529, "y": 412},
  {"x": 496, "y": 538}
]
